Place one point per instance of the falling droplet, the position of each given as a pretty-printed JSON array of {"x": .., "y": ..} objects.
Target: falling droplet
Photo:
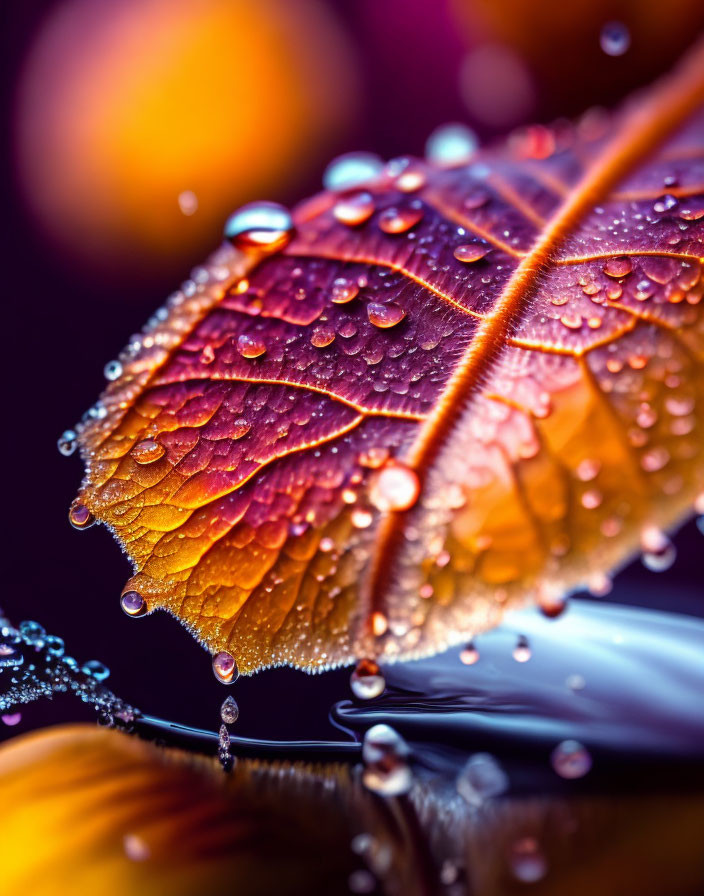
[
  {"x": 351, "y": 170},
  {"x": 522, "y": 652},
  {"x": 395, "y": 488},
  {"x": 11, "y": 718},
  {"x": 260, "y": 225},
  {"x": 80, "y": 517},
  {"x": 470, "y": 252},
  {"x": 384, "y": 316},
  {"x": 229, "y": 711},
  {"x": 570, "y": 759},
  {"x": 147, "y": 451},
  {"x": 68, "y": 442},
  {"x": 225, "y": 668},
  {"x": 620, "y": 266},
  {"x": 354, "y": 209},
  {"x": 527, "y": 862},
  {"x": 659, "y": 553},
  {"x": 133, "y": 603},
  {"x": 250, "y": 346},
  {"x": 469, "y": 655},
  {"x": 385, "y": 755},
  {"x": 97, "y": 670},
  {"x": 481, "y": 779},
  {"x": 615, "y": 39},
  {"x": 112, "y": 370},
  {"x": 400, "y": 220},
  {"x": 451, "y": 145},
  {"x": 366, "y": 681}
]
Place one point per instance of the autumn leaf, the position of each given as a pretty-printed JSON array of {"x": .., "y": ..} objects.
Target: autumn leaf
[{"x": 440, "y": 393}]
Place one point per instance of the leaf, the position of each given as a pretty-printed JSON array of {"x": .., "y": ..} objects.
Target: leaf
[{"x": 448, "y": 394}]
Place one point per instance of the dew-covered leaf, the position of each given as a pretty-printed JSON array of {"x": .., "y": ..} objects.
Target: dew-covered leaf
[{"x": 442, "y": 393}]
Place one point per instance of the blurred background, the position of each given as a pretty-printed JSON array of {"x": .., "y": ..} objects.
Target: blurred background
[{"x": 135, "y": 127}]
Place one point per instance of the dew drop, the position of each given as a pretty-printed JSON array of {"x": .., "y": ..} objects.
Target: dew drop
[
  {"x": 351, "y": 170},
  {"x": 385, "y": 316},
  {"x": 366, "y": 681},
  {"x": 97, "y": 670},
  {"x": 385, "y": 755},
  {"x": 133, "y": 604},
  {"x": 659, "y": 553},
  {"x": 618, "y": 267},
  {"x": 522, "y": 652},
  {"x": 343, "y": 291},
  {"x": 68, "y": 442},
  {"x": 147, "y": 451},
  {"x": 250, "y": 346},
  {"x": 80, "y": 517},
  {"x": 54, "y": 646},
  {"x": 400, "y": 220},
  {"x": 481, "y": 779},
  {"x": 526, "y": 861},
  {"x": 469, "y": 655},
  {"x": 570, "y": 759},
  {"x": 229, "y": 711},
  {"x": 354, "y": 209},
  {"x": 225, "y": 668},
  {"x": 470, "y": 252},
  {"x": 322, "y": 337},
  {"x": 32, "y": 631},
  {"x": 260, "y": 225},
  {"x": 615, "y": 39},
  {"x": 665, "y": 203},
  {"x": 451, "y": 145},
  {"x": 395, "y": 488},
  {"x": 112, "y": 370}
]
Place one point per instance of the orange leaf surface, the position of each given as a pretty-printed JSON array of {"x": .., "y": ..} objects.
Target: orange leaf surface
[{"x": 447, "y": 393}]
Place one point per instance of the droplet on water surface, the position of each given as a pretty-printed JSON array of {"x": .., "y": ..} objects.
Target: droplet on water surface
[
  {"x": 385, "y": 755},
  {"x": 615, "y": 39},
  {"x": 481, "y": 778},
  {"x": 451, "y": 144},
  {"x": 570, "y": 759},
  {"x": 366, "y": 681},
  {"x": 260, "y": 225},
  {"x": 229, "y": 711},
  {"x": 225, "y": 668},
  {"x": 133, "y": 603},
  {"x": 80, "y": 517},
  {"x": 396, "y": 487},
  {"x": 351, "y": 170}
]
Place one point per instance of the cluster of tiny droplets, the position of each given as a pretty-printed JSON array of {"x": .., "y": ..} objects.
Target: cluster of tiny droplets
[{"x": 34, "y": 664}]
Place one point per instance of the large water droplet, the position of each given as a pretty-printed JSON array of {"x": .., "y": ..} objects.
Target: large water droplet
[
  {"x": 351, "y": 170},
  {"x": 343, "y": 291},
  {"x": 68, "y": 442},
  {"x": 366, "y": 681},
  {"x": 250, "y": 346},
  {"x": 385, "y": 316},
  {"x": 659, "y": 553},
  {"x": 396, "y": 487},
  {"x": 97, "y": 670},
  {"x": 229, "y": 711},
  {"x": 570, "y": 759},
  {"x": 620, "y": 266},
  {"x": 260, "y": 225},
  {"x": 147, "y": 451},
  {"x": 470, "y": 252},
  {"x": 615, "y": 39},
  {"x": 400, "y": 220},
  {"x": 450, "y": 145},
  {"x": 225, "y": 668},
  {"x": 481, "y": 778},
  {"x": 133, "y": 603},
  {"x": 80, "y": 517},
  {"x": 385, "y": 755},
  {"x": 354, "y": 209},
  {"x": 112, "y": 370}
]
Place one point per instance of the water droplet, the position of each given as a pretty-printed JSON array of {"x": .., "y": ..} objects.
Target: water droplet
[
  {"x": 354, "y": 209},
  {"x": 229, "y": 711},
  {"x": 366, "y": 681},
  {"x": 527, "y": 862},
  {"x": 225, "y": 668},
  {"x": 54, "y": 646},
  {"x": 385, "y": 316},
  {"x": 250, "y": 346},
  {"x": 665, "y": 203},
  {"x": 322, "y": 337},
  {"x": 412, "y": 177},
  {"x": 522, "y": 652},
  {"x": 570, "y": 759},
  {"x": 615, "y": 39},
  {"x": 147, "y": 451},
  {"x": 260, "y": 225},
  {"x": 618, "y": 267},
  {"x": 379, "y": 624},
  {"x": 343, "y": 291},
  {"x": 400, "y": 220},
  {"x": 481, "y": 778},
  {"x": 133, "y": 603},
  {"x": 80, "y": 517},
  {"x": 188, "y": 202},
  {"x": 469, "y": 655},
  {"x": 470, "y": 252},
  {"x": 11, "y": 718},
  {"x": 450, "y": 145},
  {"x": 10, "y": 653},
  {"x": 112, "y": 370},
  {"x": 659, "y": 553},
  {"x": 385, "y": 755},
  {"x": 552, "y": 601},
  {"x": 97, "y": 670},
  {"x": 351, "y": 170},
  {"x": 395, "y": 488},
  {"x": 68, "y": 442},
  {"x": 32, "y": 631}
]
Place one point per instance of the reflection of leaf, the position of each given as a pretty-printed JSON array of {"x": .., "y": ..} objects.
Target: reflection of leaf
[
  {"x": 540, "y": 390},
  {"x": 88, "y": 810}
]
